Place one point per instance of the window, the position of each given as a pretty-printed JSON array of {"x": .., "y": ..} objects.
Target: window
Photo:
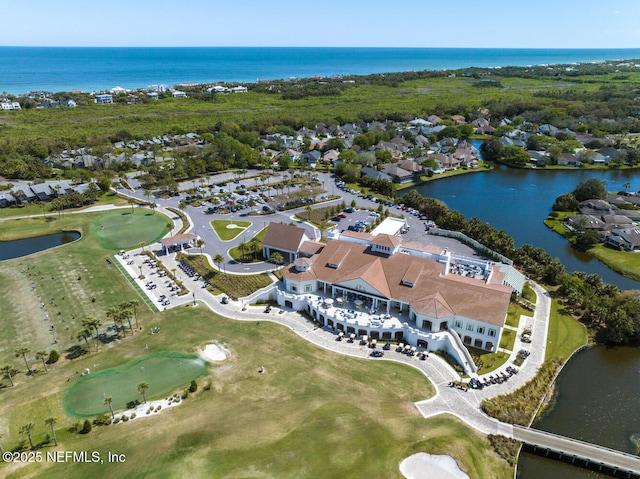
[
  {"x": 307, "y": 288},
  {"x": 360, "y": 287},
  {"x": 469, "y": 327},
  {"x": 294, "y": 287},
  {"x": 492, "y": 333},
  {"x": 480, "y": 330},
  {"x": 459, "y": 324}
]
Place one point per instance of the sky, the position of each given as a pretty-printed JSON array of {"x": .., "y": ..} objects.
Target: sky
[{"x": 346, "y": 23}]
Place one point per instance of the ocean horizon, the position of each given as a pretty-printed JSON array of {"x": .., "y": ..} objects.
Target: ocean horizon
[{"x": 57, "y": 69}]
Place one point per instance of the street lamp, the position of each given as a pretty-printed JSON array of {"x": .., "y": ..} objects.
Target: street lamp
[{"x": 194, "y": 298}]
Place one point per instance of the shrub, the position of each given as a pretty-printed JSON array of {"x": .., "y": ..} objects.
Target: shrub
[
  {"x": 53, "y": 357},
  {"x": 86, "y": 427},
  {"x": 125, "y": 418},
  {"x": 158, "y": 407},
  {"x": 117, "y": 420},
  {"x": 102, "y": 420},
  {"x": 133, "y": 415},
  {"x": 207, "y": 386},
  {"x": 133, "y": 404},
  {"x": 185, "y": 394},
  {"x": 193, "y": 387}
]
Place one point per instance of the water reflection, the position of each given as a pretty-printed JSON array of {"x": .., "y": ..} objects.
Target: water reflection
[{"x": 27, "y": 246}]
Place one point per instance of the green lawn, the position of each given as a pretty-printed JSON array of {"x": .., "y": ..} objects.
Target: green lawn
[
  {"x": 164, "y": 372},
  {"x": 565, "y": 334},
  {"x": 508, "y": 339},
  {"x": 249, "y": 256},
  {"x": 122, "y": 229},
  {"x": 228, "y": 230},
  {"x": 514, "y": 312},
  {"x": 490, "y": 361}
]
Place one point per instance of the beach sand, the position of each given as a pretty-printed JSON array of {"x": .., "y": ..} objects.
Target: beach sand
[{"x": 428, "y": 466}]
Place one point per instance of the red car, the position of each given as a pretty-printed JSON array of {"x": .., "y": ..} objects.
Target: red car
[{"x": 342, "y": 215}]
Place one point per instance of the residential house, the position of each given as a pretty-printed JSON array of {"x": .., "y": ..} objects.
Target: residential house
[
  {"x": 104, "y": 99},
  {"x": 10, "y": 105},
  {"x": 311, "y": 158},
  {"x": 569, "y": 159},
  {"x": 179, "y": 94},
  {"x": 374, "y": 174},
  {"x": 398, "y": 175},
  {"x": 627, "y": 239},
  {"x": 331, "y": 157}
]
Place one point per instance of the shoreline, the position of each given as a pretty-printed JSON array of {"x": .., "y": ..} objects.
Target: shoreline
[{"x": 251, "y": 65}]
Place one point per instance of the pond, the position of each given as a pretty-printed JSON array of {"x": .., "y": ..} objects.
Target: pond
[{"x": 27, "y": 246}]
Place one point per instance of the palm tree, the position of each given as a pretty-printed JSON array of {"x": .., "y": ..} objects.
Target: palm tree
[
  {"x": 84, "y": 334},
  {"x": 218, "y": 260},
  {"x": 170, "y": 228},
  {"x": 26, "y": 429},
  {"x": 132, "y": 202},
  {"x": 107, "y": 401},
  {"x": 51, "y": 422},
  {"x": 23, "y": 352},
  {"x": 92, "y": 323},
  {"x": 133, "y": 304},
  {"x": 626, "y": 185},
  {"x": 255, "y": 245},
  {"x": 7, "y": 370},
  {"x": 127, "y": 309},
  {"x": 153, "y": 207},
  {"x": 141, "y": 245},
  {"x": 277, "y": 258},
  {"x": 142, "y": 389},
  {"x": 308, "y": 209},
  {"x": 115, "y": 314},
  {"x": 242, "y": 247},
  {"x": 200, "y": 243},
  {"x": 147, "y": 193},
  {"x": 41, "y": 355}
]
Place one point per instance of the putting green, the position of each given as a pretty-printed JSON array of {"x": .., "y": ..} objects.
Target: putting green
[
  {"x": 122, "y": 230},
  {"x": 164, "y": 372}
]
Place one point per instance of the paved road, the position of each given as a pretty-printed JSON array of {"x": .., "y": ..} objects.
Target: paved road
[{"x": 201, "y": 220}]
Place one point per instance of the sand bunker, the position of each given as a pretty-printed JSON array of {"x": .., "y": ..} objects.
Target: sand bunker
[
  {"x": 213, "y": 352},
  {"x": 148, "y": 408},
  {"x": 424, "y": 466}
]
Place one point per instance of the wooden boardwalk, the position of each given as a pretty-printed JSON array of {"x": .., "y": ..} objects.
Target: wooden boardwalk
[{"x": 626, "y": 465}]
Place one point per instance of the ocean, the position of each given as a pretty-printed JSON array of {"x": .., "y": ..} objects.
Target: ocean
[{"x": 56, "y": 69}]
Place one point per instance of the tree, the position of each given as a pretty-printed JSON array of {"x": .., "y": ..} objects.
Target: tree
[
  {"x": 92, "y": 323},
  {"x": 8, "y": 371},
  {"x": 107, "y": 401},
  {"x": 41, "y": 355},
  {"x": 26, "y": 429},
  {"x": 51, "y": 422},
  {"x": 115, "y": 313},
  {"x": 84, "y": 334},
  {"x": 490, "y": 149},
  {"x": 126, "y": 309},
  {"x": 86, "y": 427},
  {"x": 133, "y": 304},
  {"x": 255, "y": 245},
  {"x": 308, "y": 210},
  {"x": 143, "y": 387},
  {"x": 586, "y": 240},
  {"x": 218, "y": 259},
  {"x": 141, "y": 245},
  {"x": 277, "y": 258},
  {"x": 131, "y": 201},
  {"x": 626, "y": 185},
  {"x": 590, "y": 189},
  {"x": 23, "y": 352},
  {"x": 243, "y": 247},
  {"x": 514, "y": 155},
  {"x": 200, "y": 243}
]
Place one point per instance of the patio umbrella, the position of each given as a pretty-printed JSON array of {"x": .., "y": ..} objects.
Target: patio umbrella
[
  {"x": 340, "y": 300},
  {"x": 358, "y": 302},
  {"x": 328, "y": 301}
]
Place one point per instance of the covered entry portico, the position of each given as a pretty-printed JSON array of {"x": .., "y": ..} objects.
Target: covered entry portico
[{"x": 179, "y": 242}]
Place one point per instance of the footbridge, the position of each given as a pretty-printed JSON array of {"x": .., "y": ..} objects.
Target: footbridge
[{"x": 591, "y": 456}]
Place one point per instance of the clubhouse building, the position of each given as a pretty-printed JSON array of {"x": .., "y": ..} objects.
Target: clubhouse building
[{"x": 379, "y": 287}]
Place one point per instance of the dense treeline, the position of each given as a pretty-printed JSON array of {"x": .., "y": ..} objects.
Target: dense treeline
[{"x": 612, "y": 314}]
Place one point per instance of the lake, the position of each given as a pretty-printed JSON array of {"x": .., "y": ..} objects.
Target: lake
[
  {"x": 518, "y": 201},
  {"x": 27, "y": 246}
]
